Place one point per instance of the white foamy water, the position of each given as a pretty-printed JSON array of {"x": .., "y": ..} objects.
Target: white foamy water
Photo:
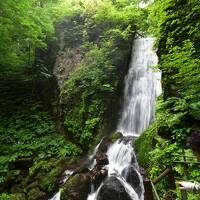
[
  {"x": 120, "y": 156},
  {"x": 92, "y": 158},
  {"x": 56, "y": 196},
  {"x": 67, "y": 174},
  {"x": 128, "y": 189},
  {"x": 142, "y": 86}
]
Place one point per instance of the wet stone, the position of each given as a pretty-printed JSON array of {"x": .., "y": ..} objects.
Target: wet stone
[
  {"x": 112, "y": 189},
  {"x": 132, "y": 177}
]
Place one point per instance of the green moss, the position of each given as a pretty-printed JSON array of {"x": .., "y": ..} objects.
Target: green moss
[
  {"x": 144, "y": 145},
  {"x": 71, "y": 182},
  {"x": 35, "y": 193},
  {"x": 19, "y": 196},
  {"x": 91, "y": 91},
  {"x": 49, "y": 180},
  {"x": 115, "y": 136},
  {"x": 77, "y": 187}
]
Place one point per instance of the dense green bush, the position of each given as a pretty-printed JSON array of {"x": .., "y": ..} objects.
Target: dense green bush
[
  {"x": 175, "y": 25},
  {"x": 30, "y": 132}
]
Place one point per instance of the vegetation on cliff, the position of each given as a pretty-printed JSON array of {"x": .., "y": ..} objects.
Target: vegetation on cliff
[
  {"x": 92, "y": 88},
  {"x": 175, "y": 24}
]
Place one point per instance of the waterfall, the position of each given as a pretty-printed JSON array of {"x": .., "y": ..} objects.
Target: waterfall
[
  {"x": 56, "y": 196},
  {"x": 92, "y": 159},
  {"x": 142, "y": 87}
]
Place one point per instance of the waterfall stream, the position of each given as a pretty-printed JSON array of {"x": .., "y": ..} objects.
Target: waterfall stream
[
  {"x": 92, "y": 159},
  {"x": 142, "y": 87}
]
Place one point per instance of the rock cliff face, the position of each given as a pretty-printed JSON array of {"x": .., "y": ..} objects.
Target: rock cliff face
[
  {"x": 76, "y": 41},
  {"x": 66, "y": 62}
]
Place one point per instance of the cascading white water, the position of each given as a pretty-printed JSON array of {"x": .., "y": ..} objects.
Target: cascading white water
[
  {"x": 68, "y": 173},
  {"x": 92, "y": 159},
  {"x": 142, "y": 87},
  {"x": 120, "y": 156}
]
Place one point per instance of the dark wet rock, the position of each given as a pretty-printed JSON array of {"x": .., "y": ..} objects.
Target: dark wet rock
[
  {"x": 104, "y": 145},
  {"x": 132, "y": 178},
  {"x": 107, "y": 141},
  {"x": 143, "y": 173},
  {"x": 82, "y": 169},
  {"x": 101, "y": 159},
  {"x": 98, "y": 176},
  {"x": 127, "y": 139},
  {"x": 113, "y": 189},
  {"x": 22, "y": 164},
  {"x": 77, "y": 187}
]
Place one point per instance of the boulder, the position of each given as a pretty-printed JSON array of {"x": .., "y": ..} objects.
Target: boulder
[
  {"x": 102, "y": 159},
  {"x": 113, "y": 189},
  {"x": 77, "y": 187},
  {"x": 36, "y": 193},
  {"x": 18, "y": 196},
  {"x": 98, "y": 176},
  {"x": 115, "y": 136},
  {"x": 133, "y": 179}
]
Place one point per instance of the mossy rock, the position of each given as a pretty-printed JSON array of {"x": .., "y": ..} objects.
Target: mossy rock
[
  {"x": 35, "y": 193},
  {"x": 115, "y": 136},
  {"x": 16, "y": 189},
  {"x": 18, "y": 196},
  {"x": 76, "y": 188},
  {"x": 33, "y": 185}
]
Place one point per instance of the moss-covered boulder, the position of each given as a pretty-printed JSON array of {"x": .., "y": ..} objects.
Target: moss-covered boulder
[
  {"x": 76, "y": 188},
  {"x": 115, "y": 136},
  {"x": 18, "y": 196},
  {"x": 36, "y": 193}
]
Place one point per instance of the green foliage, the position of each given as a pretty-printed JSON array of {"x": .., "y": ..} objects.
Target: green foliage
[
  {"x": 104, "y": 32},
  {"x": 5, "y": 196},
  {"x": 155, "y": 154},
  {"x": 175, "y": 24},
  {"x": 144, "y": 145},
  {"x": 30, "y": 133},
  {"x": 85, "y": 91},
  {"x": 25, "y": 26},
  {"x": 49, "y": 181},
  {"x": 22, "y": 27}
]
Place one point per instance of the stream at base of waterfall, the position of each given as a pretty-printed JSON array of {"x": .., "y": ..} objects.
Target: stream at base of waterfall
[{"x": 142, "y": 87}]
